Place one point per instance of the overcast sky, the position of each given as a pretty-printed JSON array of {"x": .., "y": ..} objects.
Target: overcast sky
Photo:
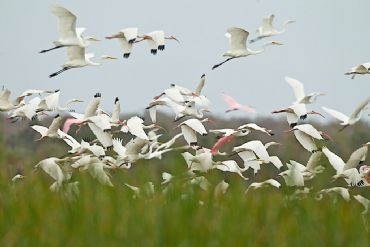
[{"x": 328, "y": 38}]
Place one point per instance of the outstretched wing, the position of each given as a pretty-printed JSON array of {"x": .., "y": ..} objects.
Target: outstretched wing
[{"x": 238, "y": 38}]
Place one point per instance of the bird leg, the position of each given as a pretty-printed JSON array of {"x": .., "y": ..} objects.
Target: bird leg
[
  {"x": 56, "y": 47},
  {"x": 254, "y": 40},
  {"x": 217, "y": 65},
  {"x": 59, "y": 71},
  {"x": 341, "y": 129}
]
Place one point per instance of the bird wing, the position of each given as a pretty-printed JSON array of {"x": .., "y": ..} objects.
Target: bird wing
[
  {"x": 153, "y": 113},
  {"x": 356, "y": 157},
  {"x": 118, "y": 147},
  {"x": 135, "y": 126},
  {"x": 305, "y": 140},
  {"x": 267, "y": 23},
  {"x": 297, "y": 87},
  {"x": 336, "y": 162},
  {"x": 189, "y": 134},
  {"x": 201, "y": 84},
  {"x": 299, "y": 109},
  {"x": 41, "y": 129},
  {"x": 336, "y": 114},
  {"x": 358, "y": 111},
  {"x": 230, "y": 101},
  {"x": 103, "y": 137},
  {"x": 309, "y": 130},
  {"x": 313, "y": 161},
  {"x": 196, "y": 125},
  {"x": 158, "y": 38},
  {"x": 4, "y": 97},
  {"x": 174, "y": 94},
  {"x": 292, "y": 118},
  {"x": 52, "y": 100},
  {"x": 92, "y": 107},
  {"x": 68, "y": 123},
  {"x": 276, "y": 161},
  {"x": 258, "y": 148},
  {"x": 220, "y": 143},
  {"x": 125, "y": 45},
  {"x": 55, "y": 124},
  {"x": 101, "y": 121},
  {"x": 69, "y": 140},
  {"x": 238, "y": 38},
  {"x": 67, "y": 22},
  {"x": 130, "y": 33},
  {"x": 76, "y": 53},
  {"x": 116, "y": 111}
]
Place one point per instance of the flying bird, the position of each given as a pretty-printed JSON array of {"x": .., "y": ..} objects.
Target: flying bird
[
  {"x": 156, "y": 40},
  {"x": 238, "y": 45},
  {"x": 126, "y": 37},
  {"x": 76, "y": 59},
  {"x": 361, "y": 69},
  {"x": 234, "y": 105},
  {"x": 351, "y": 120},
  {"x": 267, "y": 29},
  {"x": 69, "y": 35}
]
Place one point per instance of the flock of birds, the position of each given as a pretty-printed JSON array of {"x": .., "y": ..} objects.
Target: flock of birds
[{"x": 142, "y": 141}]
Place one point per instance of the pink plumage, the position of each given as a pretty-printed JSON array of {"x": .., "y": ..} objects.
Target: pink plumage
[
  {"x": 220, "y": 143},
  {"x": 234, "y": 105},
  {"x": 69, "y": 122}
]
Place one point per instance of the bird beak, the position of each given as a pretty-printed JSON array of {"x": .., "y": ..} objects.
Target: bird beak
[
  {"x": 174, "y": 38},
  {"x": 326, "y": 136},
  {"x": 318, "y": 113},
  {"x": 276, "y": 43}
]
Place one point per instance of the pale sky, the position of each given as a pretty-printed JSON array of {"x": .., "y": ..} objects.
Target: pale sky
[{"x": 328, "y": 38}]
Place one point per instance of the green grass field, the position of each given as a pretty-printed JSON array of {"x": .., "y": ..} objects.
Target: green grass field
[{"x": 32, "y": 215}]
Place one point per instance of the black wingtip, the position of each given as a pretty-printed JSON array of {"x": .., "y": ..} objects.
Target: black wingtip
[
  {"x": 203, "y": 76},
  {"x": 153, "y": 51},
  {"x": 172, "y": 84},
  {"x": 116, "y": 100},
  {"x": 56, "y": 116},
  {"x": 161, "y": 47},
  {"x": 97, "y": 95},
  {"x": 126, "y": 55}
]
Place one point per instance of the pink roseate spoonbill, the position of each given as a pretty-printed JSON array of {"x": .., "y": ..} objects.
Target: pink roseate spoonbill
[
  {"x": 69, "y": 35},
  {"x": 126, "y": 37},
  {"x": 267, "y": 29},
  {"x": 361, "y": 69},
  {"x": 156, "y": 40},
  {"x": 227, "y": 136},
  {"x": 234, "y": 105},
  {"x": 355, "y": 116},
  {"x": 238, "y": 45}
]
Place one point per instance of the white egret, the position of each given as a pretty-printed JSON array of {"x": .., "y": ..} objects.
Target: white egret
[{"x": 238, "y": 45}]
